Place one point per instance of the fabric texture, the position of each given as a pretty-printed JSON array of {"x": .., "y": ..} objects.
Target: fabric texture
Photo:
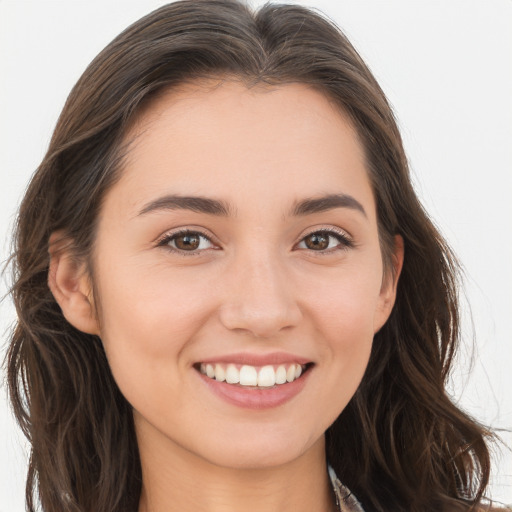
[{"x": 345, "y": 500}]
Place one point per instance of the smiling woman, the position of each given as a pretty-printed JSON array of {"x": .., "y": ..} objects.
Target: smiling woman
[
  {"x": 229, "y": 295},
  {"x": 293, "y": 291}
]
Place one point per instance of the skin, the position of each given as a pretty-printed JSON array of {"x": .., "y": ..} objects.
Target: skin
[{"x": 254, "y": 286}]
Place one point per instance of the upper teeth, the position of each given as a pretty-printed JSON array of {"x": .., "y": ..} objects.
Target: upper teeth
[{"x": 264, "y": 376}]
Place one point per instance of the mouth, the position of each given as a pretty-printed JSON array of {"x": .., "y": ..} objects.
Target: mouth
[{"x": 255, "y": 377}]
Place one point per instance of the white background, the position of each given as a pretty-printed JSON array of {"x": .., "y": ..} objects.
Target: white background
[{"x": 446, "y": 67}]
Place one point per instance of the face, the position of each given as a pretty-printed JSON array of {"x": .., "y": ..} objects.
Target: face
[{"x": 240, "y": 243}]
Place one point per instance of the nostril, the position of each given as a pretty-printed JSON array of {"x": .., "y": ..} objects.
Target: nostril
[{"x": 260, "y": 323}]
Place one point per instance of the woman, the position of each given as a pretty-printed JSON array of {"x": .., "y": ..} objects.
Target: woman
[{"x": 228, "y": 293}]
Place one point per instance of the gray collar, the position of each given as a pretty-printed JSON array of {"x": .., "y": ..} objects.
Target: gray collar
[{"x": 345, "y": 500}]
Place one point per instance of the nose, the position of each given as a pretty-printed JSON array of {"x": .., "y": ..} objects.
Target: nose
[{"x": 259, "y": 299}]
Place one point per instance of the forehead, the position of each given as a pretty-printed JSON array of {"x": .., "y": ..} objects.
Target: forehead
[
  {"x": 221, "y": 137},
  {"x": 230, "y": 91},
  {"x": 199, "y": 108}
]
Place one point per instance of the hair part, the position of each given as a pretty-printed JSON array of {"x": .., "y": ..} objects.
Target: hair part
[{"x": 400, "y": 444}]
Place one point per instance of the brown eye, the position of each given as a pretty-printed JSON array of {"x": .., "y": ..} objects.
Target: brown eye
[
  {"x": 187, "y": 241},
  {"x": 326, "y": 241},
  {"x": 317, "y": 241}
]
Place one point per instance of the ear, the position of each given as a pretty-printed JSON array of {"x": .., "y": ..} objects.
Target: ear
[
  {"x": 387, "y": 294},
  {"x": 70, "y": 284}
]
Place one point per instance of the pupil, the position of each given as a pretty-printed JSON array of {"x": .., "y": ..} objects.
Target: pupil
[
  {"x": 187, "y": 242},
  {"x": 317, "y": 241}
]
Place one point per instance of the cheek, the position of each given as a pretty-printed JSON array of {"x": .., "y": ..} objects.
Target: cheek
[
  {"x": 342, "y": 320},
  {"x": 345, "y": 302},
  {"x": 148, "y": 320},
  {"x": 151, "y": 309},
  {"x": 342, "y": 312},
  {"x": 347, "y": 324}
]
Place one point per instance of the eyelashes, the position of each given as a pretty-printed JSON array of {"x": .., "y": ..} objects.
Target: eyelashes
[
  {"x": 320, "y": 241},
  {"x": 186, "y": 241},
  {"x": 193, "y": 242}
]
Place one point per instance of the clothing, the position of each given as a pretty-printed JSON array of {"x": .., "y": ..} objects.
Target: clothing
[{"x": 345, "y": 500}]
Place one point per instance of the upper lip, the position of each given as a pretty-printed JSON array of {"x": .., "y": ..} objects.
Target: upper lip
[{"x": 257, "y": 359}]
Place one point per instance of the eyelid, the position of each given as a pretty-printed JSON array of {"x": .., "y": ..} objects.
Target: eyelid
[
  {"x": 163, "y": 240},
  {"x": 347, "y": 241},
  {"x": 326, "y": 229}
]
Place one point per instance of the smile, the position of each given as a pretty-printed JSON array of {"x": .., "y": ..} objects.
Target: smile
[{"x": 253, "y": 376}]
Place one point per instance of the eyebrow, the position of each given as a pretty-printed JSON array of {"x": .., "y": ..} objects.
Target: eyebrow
[
  {"x": 193, "y": 203},
  {"x": 221, "y": 208},
  {"x": 327, "y": 202}
]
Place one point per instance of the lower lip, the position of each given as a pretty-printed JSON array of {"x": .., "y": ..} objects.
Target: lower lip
[{"x": 252, "y": 398}]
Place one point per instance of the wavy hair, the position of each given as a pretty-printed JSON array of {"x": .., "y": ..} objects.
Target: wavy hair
[{"x": 400, "y": 444}]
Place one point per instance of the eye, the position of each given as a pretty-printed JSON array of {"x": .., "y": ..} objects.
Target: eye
[
  {"x": 186, "y": 241},
  {"x": 326, "y": 241}
]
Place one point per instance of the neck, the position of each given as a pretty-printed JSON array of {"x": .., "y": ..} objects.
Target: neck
[{"x": 174, "y": 479}]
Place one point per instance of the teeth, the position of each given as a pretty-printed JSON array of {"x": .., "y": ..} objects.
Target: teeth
[
  {"x": 248, "y": 376},
  {"x": 281, "y": 375},
  {"x": 232, "y": 374},
  {"x": 264, "y": 377},
  {"x": 220, "y": 374}
]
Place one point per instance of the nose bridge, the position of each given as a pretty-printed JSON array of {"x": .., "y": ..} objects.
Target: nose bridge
[{"x": 259, "y": 297}]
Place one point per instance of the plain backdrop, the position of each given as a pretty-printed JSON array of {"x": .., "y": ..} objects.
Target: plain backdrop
[{"x": 446, "y": 67}]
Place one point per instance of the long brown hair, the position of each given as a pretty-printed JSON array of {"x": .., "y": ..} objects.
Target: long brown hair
[{"x": 400, "y": 444}]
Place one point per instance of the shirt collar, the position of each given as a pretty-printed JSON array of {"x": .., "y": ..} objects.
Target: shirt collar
[{"x": 345, "y": 500}]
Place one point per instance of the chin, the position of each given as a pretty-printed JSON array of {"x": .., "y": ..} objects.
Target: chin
[{"x": 260, "y": 451}]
